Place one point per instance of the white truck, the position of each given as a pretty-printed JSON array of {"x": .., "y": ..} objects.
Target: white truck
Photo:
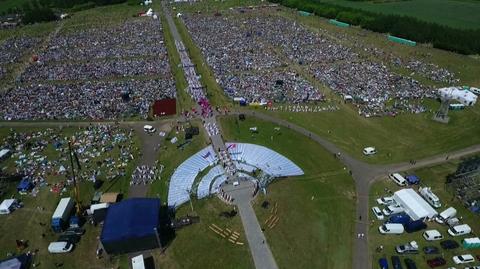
[{"x": 62, "y": 214}]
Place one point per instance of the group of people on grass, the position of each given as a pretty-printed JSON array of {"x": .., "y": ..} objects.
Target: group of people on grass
[
  {"x": 257, "y": 57},
  {"x": 104, "y": 72}
]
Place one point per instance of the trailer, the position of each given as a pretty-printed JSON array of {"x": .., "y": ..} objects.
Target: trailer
[{"x": 62, "y": 213}]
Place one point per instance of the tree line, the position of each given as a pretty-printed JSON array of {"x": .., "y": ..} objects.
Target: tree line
[{"x": 464, "y": 41}]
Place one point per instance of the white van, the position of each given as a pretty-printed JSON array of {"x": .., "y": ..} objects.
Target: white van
[
  {"x": 392, "y": 209},
  {"x": 460, "y": 230},
  {"x": 446, "y": 214},
  {"x": 369, "y": 151},
  {"x": 461, "y": 259},
  {"x": 391, "y": 228},
  {"x": 60, "y": 247},
  {"x": 432, "y": 235},
  {"x": 399, "y": 179},
  {"x": 149, "y": 129},
  {"x": 7, "y": 206}
]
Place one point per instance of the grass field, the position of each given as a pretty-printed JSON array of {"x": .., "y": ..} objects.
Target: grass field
[
  {"x": 463, "y": 14},
  {"x": 316, "y": 210},
  {"x": 30, "y": 222},
  {"x": 197, "y": 246},
  {"x": 171, "y": 157},
  {"x": 434, "y": 177},
  {"x": 397, "y": 139}
]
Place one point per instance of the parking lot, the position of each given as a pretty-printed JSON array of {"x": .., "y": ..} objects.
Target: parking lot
[{"x": 383, "y": 245}]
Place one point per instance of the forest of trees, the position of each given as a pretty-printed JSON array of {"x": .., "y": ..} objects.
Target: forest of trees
[{"x": 442, "y": 37}]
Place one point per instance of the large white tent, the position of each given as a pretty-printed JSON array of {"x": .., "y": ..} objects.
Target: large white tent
[
  {"x": 460, "y": 94},
  {"x": 415, "y": 206}
]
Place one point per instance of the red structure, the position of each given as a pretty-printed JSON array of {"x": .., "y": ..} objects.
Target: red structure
[{"x": 165, "y": 107}]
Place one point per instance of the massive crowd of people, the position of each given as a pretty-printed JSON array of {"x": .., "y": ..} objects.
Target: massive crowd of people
[
  {"x": 85, "y": 100},
  {"x": 12, "y": 49},
  {"x": 250, "y": 56},
  {"x": 68, "y": 80}
]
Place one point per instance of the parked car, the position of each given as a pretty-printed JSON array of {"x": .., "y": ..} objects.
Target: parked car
[
  {"x": 77, "y": 231},
  {"x": 377, "y": 212},
  {"x": 446, "y": 214},
  {"x": 392, "y": 209},
  {"x": 401, "y": 218},
  {"x": 385, "y": 200},
  {"x": 460, "y": 230},
  {"x": 383, "y": 263},
  {"x": 72, "y": 238},
  {"x": 461, "y": 259},
  {"x": 432, "y": 235},
  {"x": 409, "y": 248},
  {"x": 391, "y": 228},
  {"x": 397, "y": 264},
  {"x": 436, "y": 262},
  {"x": 449, "y": 244},
  {"x": 430, "y": 250},
  {"x": 410, "y": 264},
  {"x": 60, "y": 247}
]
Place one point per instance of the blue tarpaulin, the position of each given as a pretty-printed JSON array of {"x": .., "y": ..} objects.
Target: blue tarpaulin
[
  {"x": 24, "y": 185},
  {"x": 413, "y": 179},
  {"x": 130, "y": 225}
]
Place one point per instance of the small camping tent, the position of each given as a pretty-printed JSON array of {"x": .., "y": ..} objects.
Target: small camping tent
[{"x": 25, "y": 185}]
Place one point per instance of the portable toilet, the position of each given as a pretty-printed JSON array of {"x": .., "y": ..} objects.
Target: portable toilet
[{"x": 471, "y": 243}]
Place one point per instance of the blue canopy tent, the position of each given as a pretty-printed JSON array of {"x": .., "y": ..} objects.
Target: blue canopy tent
[
  {"x": 412, "y": 179},
  {"x": 24, "y": 185},
  {"x": 131, "y": 226},
  {"x": 20, "y": 262}
]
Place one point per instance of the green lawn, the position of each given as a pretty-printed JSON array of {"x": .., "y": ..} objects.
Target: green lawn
[
  {"x": 316, "y": 210},
  {"x": 171, "y": 157},
  {"x": 463, "y": 14},
  {"x": 435, "y": 178},
  {"x": 397, "y": 139},
  {"x": 196, "y": 246}
]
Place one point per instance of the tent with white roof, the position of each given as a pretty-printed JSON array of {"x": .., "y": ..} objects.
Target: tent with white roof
[{"x": 414, "y": 205}]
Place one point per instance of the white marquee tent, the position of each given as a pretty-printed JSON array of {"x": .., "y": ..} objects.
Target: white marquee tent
[
  {"x": 464, "y": 96},
  {"x": 415, "y": 206}
]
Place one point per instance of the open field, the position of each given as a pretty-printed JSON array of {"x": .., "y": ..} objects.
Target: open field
[
  {"x": 171, "y": 157},
  {"x": 316, "y": 210},
  {"x": 453, "y": 13},
  {"x": 435, "y": 178},
  {"x": 399, "y": 138},
  {"x": 197, "y": 246},
  {"x": 32, "y": 222}
]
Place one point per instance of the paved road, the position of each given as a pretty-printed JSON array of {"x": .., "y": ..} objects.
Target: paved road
[
  {"x": 364, "y": 175},
  {"x": 259, "y": 248}
]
